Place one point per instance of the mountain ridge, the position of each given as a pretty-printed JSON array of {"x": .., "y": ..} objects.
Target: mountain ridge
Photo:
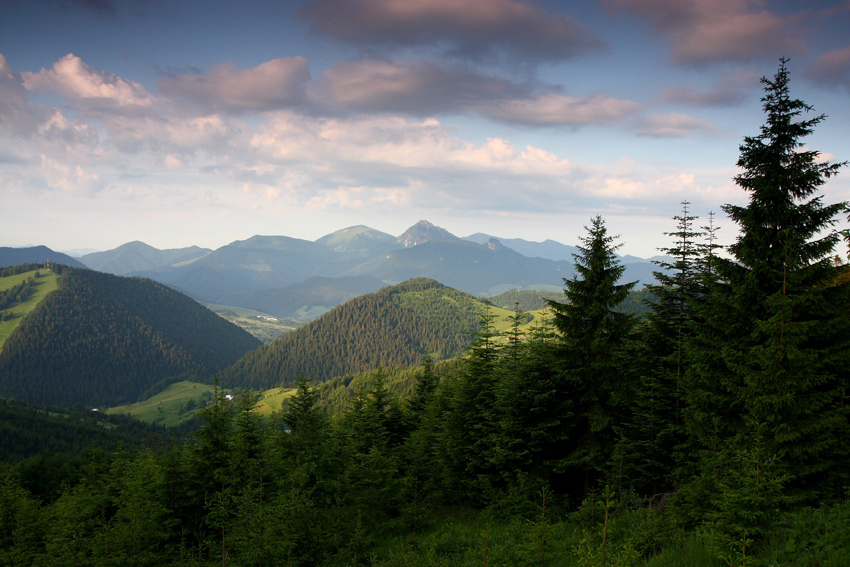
[{"x": 252, "y": 272}]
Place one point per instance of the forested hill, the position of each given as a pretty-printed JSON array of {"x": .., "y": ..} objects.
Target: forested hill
[
  {"x": 101, "y": 339},
  {"x": 396, "y": 326},
  {"x": 28, "y": 431}
]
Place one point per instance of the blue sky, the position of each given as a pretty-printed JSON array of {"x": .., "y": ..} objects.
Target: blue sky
[{"x": 196, "y": 122}]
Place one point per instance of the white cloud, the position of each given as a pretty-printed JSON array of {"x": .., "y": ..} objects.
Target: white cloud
[
  {"x": 72, "y": 78},
  {"x": 17, "y": 114},
  {"x": 68, "y": 178}
]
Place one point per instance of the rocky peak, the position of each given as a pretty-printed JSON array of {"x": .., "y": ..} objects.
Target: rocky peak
[{"x": 422, "y": 232}]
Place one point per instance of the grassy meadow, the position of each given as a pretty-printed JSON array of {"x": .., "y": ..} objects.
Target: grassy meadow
[
  {"x": 179, "y": 402},
  {"x": 172, "y": 406},
  {"x": 43, "y": 285}
]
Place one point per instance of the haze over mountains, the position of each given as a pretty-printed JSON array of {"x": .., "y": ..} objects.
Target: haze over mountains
[{"x": 296, "y": 278}]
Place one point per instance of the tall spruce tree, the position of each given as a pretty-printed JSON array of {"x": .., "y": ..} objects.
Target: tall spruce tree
[
  {"x": 593, "y": 334},
  {"x": 772, "y": 343},
  {"x": 653, "y": 436}
]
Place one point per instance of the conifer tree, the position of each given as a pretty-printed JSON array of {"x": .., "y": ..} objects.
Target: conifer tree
[
  {"x": 593, "y": 334},
  {"x": 772, "y": 343},
  {"x": 535, "y": 409},
  {"x": 423, "y": 393},
  {"x": 471, "y": 422},
  {"x": 301, "y": 408},
  {"x": 653, "y": 434}
]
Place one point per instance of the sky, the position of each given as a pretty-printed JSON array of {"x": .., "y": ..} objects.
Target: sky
[{"x": 196, "y": 122}]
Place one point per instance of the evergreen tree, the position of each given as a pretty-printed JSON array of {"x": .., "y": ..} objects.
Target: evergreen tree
[
  {"x": 535, "y": 410},
  {"x": 22, "y": 524},
  {"x": 472, "y": 423},
  {"x": 679, "y": 285},
  {"x": 772, "y": 344},
  {"x": 301, "y": 408},
  {"x": 653, "y": 437},
  {"x": 593, "y": 334},
  {"x": 423, "y": 393}
]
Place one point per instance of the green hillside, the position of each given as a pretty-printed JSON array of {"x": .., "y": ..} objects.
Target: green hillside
[
  {"x": 173, "y": 406},
  {"x": 335, "y": 396},
  {"x": 18, "y": 298},
  {"x": 526, "y": 299},
  {"x": 179, "y": 402},
  {"x": 395, "y": 326},
  {"x": 102, "y": 340}
]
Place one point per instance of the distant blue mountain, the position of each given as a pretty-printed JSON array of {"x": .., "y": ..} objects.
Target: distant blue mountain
[
  {"x": 278, "y": 274},
  {"x": 33, "y": 255}
]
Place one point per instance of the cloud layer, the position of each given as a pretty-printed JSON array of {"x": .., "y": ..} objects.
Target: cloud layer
[
  {"x": 710, "y": 31},
  {"x": 482, "y": 109},
  {"x": 480, "y": 30}
]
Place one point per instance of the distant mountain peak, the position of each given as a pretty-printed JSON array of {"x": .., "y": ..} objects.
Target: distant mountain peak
[
  {"x": 423, "y": 232},
  {"x": 494, "y": 244},
  {"x": 353, "y": 238}
]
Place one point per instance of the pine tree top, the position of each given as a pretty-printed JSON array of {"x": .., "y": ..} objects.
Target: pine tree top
[{"x": 780, "y": 224}]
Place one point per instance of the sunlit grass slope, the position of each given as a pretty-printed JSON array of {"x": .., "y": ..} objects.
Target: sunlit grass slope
[
  {"x": 172, "y": 406},
  {"x": 181, "y": 400},
  {"x": 44, "y": 284}
]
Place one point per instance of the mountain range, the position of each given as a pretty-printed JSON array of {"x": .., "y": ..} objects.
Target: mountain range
[
  {"x": 301, "y": 279},
  {"x": 296, "y": 278}
]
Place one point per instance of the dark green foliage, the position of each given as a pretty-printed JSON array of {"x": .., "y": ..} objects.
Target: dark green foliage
[
  {"x": 536, "y": 406},
  {"x": 423, "y": 393},
  {"x": 28, "y": 431},
  {"x": 13, "y": 270},
  {"x": 471, "y": 423},
  {"x": 394, "y": 327},
  {"x": 21, "y": 524},
  {"x": 749, "y": 493},
  {"x": 593, "y": 336},
  {"x": 772, "y": 345},
  {"x": 300, "y": 410},
  {"x": 654, "y": 445},
  {"x": 101, "y": 340}
]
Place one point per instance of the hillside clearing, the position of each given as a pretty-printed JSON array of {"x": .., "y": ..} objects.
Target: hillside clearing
[
  {"x": 44, "y": 284},
  {"x": 180, "y": 401}
]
